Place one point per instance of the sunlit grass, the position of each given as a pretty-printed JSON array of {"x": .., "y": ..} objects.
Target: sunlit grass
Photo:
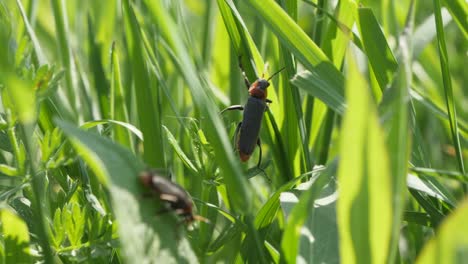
[{"x": 364, "y": 143}]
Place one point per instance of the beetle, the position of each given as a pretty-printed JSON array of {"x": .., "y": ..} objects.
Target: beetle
[
  {"x": 173, "y": 194},
  {"x": 248, "y": 131}
]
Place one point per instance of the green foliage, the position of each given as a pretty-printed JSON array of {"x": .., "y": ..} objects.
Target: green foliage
[{"x": 364, "y": 143}]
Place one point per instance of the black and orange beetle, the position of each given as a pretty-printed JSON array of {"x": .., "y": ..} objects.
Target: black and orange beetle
[
  {"x": 248, "y": 131},
  {"x": 172, "y": 194}
]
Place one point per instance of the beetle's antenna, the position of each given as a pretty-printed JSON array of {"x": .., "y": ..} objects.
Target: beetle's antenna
[
  {"x": 265, "y": 67},
  {"x": 276, "y": 73}
]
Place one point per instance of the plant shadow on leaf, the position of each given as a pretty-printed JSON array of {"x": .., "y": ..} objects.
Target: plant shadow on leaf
[
  {"x": 319, "y": 234},
  {"x": 146, "y": 237}
]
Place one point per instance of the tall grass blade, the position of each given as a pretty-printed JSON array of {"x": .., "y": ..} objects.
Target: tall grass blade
[
  {"x": 444, "y": 65},
  {"x": 148, "y": 108},
  {"x": 364, "y": 207}
]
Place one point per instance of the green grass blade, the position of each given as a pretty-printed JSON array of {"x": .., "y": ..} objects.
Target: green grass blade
[
  {"x": 323, "y": 214},
  {"x": 149, "y": 113},
  {"x": 398, "y": 138},
  {"x": 63, "y": 39},
  {"x": 459, "y": 11},
  {"x": 288, "y": 32},
  {"x": 336, "y": 39},
  {"x": 437, "y": 110},
  {"x": 128, "y": 127},
  {"x": 215, "y": 130},
  {"x": 364, "y": 207},
  {"x": 293, "y": 126},
  {"x": 98, "y": 72},
  {"x": 299, "y": 213},
  {"x": 444, "y": 65},
  {"x": 118, "y": 107},
  {"x": 331, "y": 94},
  {"x": 299, "y": 44},
  {"x": 376, "y": 47},
  {"x": 454, "y": 175},
  {"x": 175, "y": 145},
  {"x": 37, "y": 47}
]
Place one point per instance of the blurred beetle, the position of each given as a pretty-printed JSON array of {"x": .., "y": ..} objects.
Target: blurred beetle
[{"x": 173, "y": 194}]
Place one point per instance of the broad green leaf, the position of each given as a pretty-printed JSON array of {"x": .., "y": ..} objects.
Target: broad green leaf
[
  {"x": 144, "y": 237},
  {"x": 450, "y": 244},
  {"x": 302, "y": 210},
  {"x": 313, "y": 84},
  {"x": 268, "y": 211},
  {"x": 316, "y": 243},
  {"x": 14, "y": 241},
  {"x": 364, "y": 208}
]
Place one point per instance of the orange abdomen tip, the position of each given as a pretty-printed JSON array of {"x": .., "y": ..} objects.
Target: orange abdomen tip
[{"x": 244, "y": 157}]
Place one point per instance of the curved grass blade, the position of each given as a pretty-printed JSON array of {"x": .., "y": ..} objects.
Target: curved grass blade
[
  {"x": 117, "y": 98},
  {"x": 131, "y": 128}
]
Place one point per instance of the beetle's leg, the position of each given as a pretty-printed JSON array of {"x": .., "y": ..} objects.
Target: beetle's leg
[
  {"x": 268, "y": 101},
  {"x": 233, "y": 107},
  {"x": 259, "y": 144},
  {"x": 246, "y": 80}
]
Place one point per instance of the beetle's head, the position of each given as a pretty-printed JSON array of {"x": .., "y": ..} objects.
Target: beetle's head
[
  {"x": 146, "y": 178},
  {"x": 262, "y": 84}
]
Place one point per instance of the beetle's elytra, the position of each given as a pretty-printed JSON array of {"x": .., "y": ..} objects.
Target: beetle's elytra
[
  {"x": 172, "y": 194},
  {"x": 248, "y": 131}
]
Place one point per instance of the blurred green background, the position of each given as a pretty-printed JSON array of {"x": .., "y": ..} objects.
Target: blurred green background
[{"x": 364, "y": 143}]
